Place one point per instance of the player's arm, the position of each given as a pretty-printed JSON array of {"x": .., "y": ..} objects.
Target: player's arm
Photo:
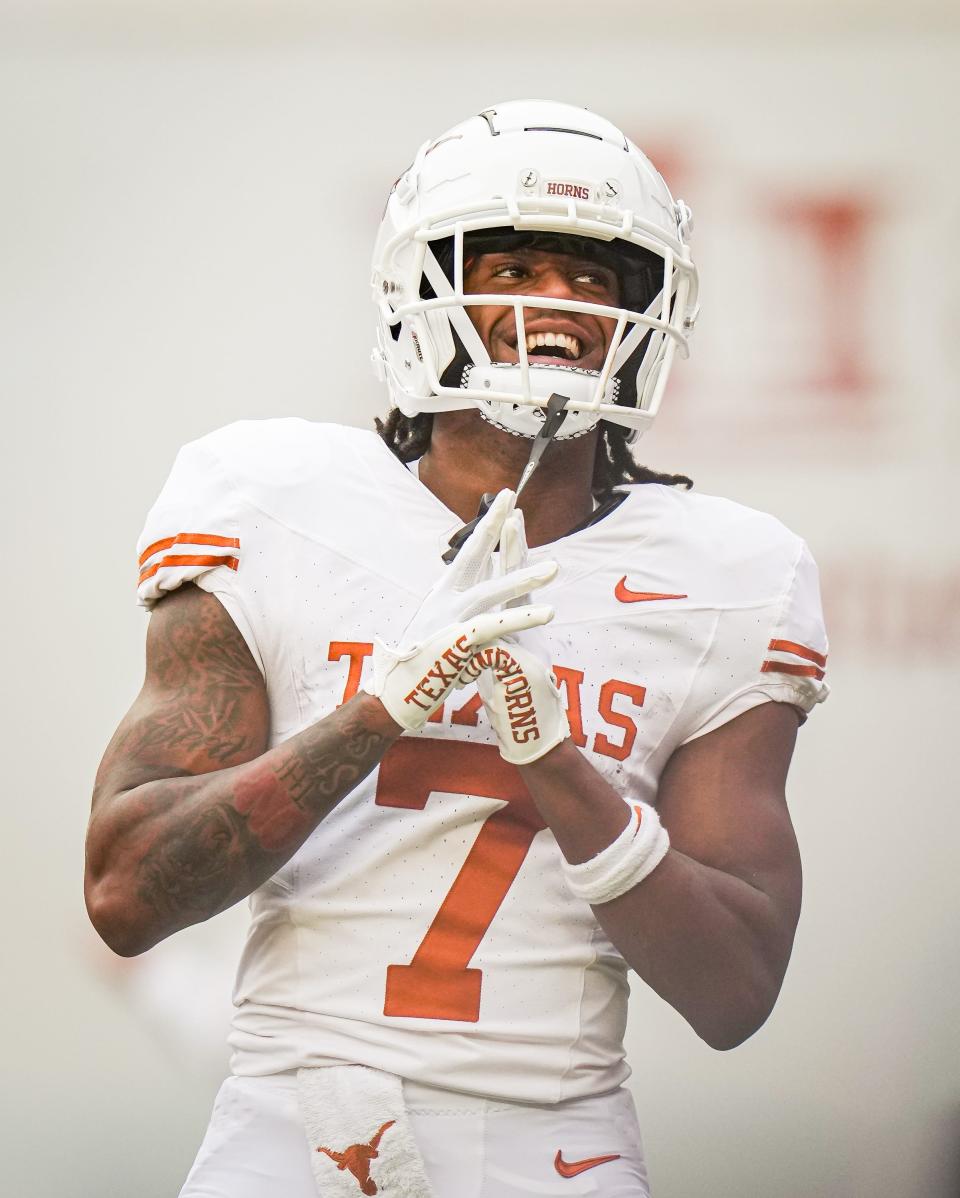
[
  {"x": 711, "y": 927},
  {"x": 190, "y": 811}
]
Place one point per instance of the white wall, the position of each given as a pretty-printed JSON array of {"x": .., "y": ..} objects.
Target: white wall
[{"x": 189, "y": 195}]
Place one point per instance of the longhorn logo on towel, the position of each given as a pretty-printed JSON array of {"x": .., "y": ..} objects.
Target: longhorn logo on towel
[{"x": 356, "y": 1159}]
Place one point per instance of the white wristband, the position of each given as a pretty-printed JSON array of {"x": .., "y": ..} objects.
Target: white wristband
[{"x": 636, "y": 852}]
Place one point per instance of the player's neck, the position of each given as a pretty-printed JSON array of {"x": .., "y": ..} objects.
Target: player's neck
[{"x": 468, "y": 456}]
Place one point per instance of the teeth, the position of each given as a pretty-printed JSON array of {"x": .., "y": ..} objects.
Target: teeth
[{"x": 560, "y": 340}]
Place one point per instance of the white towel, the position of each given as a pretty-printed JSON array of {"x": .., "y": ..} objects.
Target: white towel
[{"x": 359, "y": 1134}]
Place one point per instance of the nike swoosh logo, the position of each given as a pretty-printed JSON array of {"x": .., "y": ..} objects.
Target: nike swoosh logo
[
  {"x": 573, "y": 1168},
  {"x": 625, "y": 595}
]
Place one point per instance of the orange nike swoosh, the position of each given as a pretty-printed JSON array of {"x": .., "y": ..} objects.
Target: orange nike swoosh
[
  {"x": 573, "y": 1168},
  {"x": 625, "y": 595}
]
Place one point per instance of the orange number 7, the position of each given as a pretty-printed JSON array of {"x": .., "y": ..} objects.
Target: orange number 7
[{"x": 437, "y": 983}]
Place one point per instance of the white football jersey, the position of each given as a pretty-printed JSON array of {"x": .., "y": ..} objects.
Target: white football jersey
[{"x": 425, "y": 928}]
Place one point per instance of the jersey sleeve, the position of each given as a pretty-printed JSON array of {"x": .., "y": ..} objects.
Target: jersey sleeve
[
  {"x": 774, "y": 651},
  {"x": 195, "y": 533}
]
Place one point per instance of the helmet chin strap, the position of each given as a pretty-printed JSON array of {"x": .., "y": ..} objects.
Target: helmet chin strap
[{"x": 556, "y": 414}]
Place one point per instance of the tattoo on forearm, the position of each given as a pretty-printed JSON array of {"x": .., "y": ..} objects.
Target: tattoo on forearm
[
  {"x": 192, "y": 869},
  {"x": 327, "y": 768},
  {"x": 196, "y": 814},
  {"x": 262, "y": 813}
]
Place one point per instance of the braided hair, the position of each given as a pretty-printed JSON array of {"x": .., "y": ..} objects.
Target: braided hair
[{"x": 409, "y": 438}]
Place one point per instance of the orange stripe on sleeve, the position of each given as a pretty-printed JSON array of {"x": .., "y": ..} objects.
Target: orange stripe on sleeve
[
  {"x": 188, "y": 538},
  {"x": 155, "y": 548},
  {"x": 788, "y": 667},
  {"x": 798, "y": 650},
  {"x": 189, "y": 559}
]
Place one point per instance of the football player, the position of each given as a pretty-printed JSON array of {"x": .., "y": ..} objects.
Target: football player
[{"x": 478, "y": 713}]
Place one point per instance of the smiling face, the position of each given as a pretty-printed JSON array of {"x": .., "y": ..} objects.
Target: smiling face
[{"x": 552, "y": 337}]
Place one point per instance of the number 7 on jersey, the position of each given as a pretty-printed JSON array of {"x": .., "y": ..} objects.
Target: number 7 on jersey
[{"x": 438, "y": 983}]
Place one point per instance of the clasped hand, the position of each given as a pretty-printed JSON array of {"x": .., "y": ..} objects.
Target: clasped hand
[
  {"x": 462, "y": 612},
  {"x": 477, "y": 624},
  {"x": 521, "y": 698}
]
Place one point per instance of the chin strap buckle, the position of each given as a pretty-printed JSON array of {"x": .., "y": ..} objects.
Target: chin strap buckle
[{"x": 556, "y": 414}]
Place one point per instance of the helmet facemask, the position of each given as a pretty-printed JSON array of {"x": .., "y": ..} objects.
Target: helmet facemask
[{"x": 513, "y": 395}]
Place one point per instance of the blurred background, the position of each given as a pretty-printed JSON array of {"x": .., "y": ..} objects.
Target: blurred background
[{"x": 190, "y": 192}]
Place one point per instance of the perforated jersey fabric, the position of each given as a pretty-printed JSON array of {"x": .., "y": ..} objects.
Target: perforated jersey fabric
[{"x": 675, "y": 613}]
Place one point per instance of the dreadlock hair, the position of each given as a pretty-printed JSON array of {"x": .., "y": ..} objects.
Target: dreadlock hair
[{"x": 409, "y": 438}]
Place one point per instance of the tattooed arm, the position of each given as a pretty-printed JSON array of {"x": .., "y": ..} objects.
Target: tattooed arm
[{"x": 190, "y": 812}]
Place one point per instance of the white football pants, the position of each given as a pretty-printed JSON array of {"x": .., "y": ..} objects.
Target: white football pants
[{"x": 256, "y": 1145}]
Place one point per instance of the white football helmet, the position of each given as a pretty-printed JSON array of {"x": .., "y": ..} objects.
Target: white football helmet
[{"x": 538, "y": 169}]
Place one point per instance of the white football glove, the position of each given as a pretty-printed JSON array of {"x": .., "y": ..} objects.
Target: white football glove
[
  {"x": 413, "y": 677},
  {"x": 514, "y": 676}
]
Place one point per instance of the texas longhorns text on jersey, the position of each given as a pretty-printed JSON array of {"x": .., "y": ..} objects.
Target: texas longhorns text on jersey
[{"x": 425, "y": 928}]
